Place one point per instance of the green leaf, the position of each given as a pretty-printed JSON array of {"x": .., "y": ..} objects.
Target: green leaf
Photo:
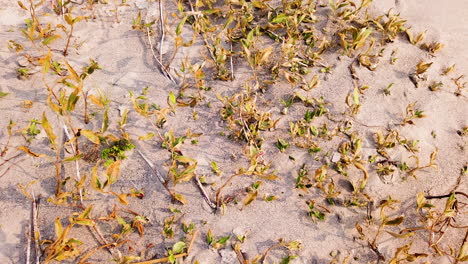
[
  {"x": 282, "y": 144},
  {"x": 281, "y": 18},
  {"x": 356, "y": 96},
  {"x": 105, "y": 120},
  {"x": 394, "y": 222},
  {"x": 178, "y": 30},
  {"x": 76, "y": 157},
  {"x": 223, "y": 240},
  {"x": 178, "y": 247},
  {"x": 172, "y": 98},
  {"x": 215, "y": 168},
  {"x": 2, "y": 94},
  {"x": 209, "y": 237},
  {"x": 50, "y": 39},
  {"x": 287, "y": 259}
]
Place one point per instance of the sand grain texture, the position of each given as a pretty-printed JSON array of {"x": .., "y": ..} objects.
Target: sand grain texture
[{"x": 128, "y": 66}]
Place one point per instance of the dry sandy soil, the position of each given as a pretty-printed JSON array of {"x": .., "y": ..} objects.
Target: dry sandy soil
[{"x": 128, "y": 66}]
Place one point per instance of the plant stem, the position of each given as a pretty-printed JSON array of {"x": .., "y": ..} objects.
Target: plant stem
[{"x": 65, "y": 52}]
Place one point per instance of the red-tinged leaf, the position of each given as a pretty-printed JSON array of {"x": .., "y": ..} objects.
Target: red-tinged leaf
[
  {"x": 29, "y": 152},
  {"x": 359, "y": 229},
  {"x": 91, "y": 136},
  {"x": 22, "y": 5}
]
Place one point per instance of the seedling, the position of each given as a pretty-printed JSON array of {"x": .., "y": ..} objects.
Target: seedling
[
  {"x": 282, "y": 144},
  {"x": 386, "y": 91},
  {"x": 417, "y": 39},
  {"x": 215, "y": 168},
  {"x": 316, "y": 214},
  {"x": 448, "y": 70},
  {"x": 412, "y": 114},
  {"x": 384, "y": 221}
]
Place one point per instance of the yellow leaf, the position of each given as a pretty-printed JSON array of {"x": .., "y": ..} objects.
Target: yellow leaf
[
  {"x": 95, "y": 182},
  {"x": 22, "y": 5},
  {"x": 29, "y": 152},
  {"x": 91, "y": 136},
  {"x": 250, "y": 198},
  {"x": 73, "y": 72},
  {"x": 113, "y": 172},
  {"x": 68, "y": 19},
  {"x": 147, "y": 136},
  {"x": 95, "y": 100},
  {"x": 48, "y": 129},
  {"x": 122, "y": 198},
  {"x": 180, "y": 198},
  {"x": 58, "y": 227}
]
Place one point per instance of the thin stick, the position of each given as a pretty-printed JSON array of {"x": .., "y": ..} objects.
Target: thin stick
[
  {"x": 91, "y": 252},
  {"x": 103, "y": 241},
  {"x": 202, "y": 190},
  {"x": 29, "y": 234},
  {"x": 240, "y": 256},
  {"x": 207, "y": 45},
  {"x": 264, "y": 256},
  {"x": 161, "y": 260},
  {"x": 157, "y": 173},
  {"x": 218, "y": 192},
  {"x": 194, "y": 236},
  {"x": 63, "y": 9},
  {"x": 161, "y": 22},
  {"x": 161, "y": 66},
  {"x": 445, "y": 195},
  {"x": 153, "y": 168},
  {"x": 77, "y": 165},
  {"x": 35, "y": 229},
  {"x": 232, "y": 65}
]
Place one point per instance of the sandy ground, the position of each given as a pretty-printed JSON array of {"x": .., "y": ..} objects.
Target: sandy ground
[{"x": 127, "y": 65}]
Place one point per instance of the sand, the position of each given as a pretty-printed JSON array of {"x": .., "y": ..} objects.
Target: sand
[{"x": 128, "y": 66}]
